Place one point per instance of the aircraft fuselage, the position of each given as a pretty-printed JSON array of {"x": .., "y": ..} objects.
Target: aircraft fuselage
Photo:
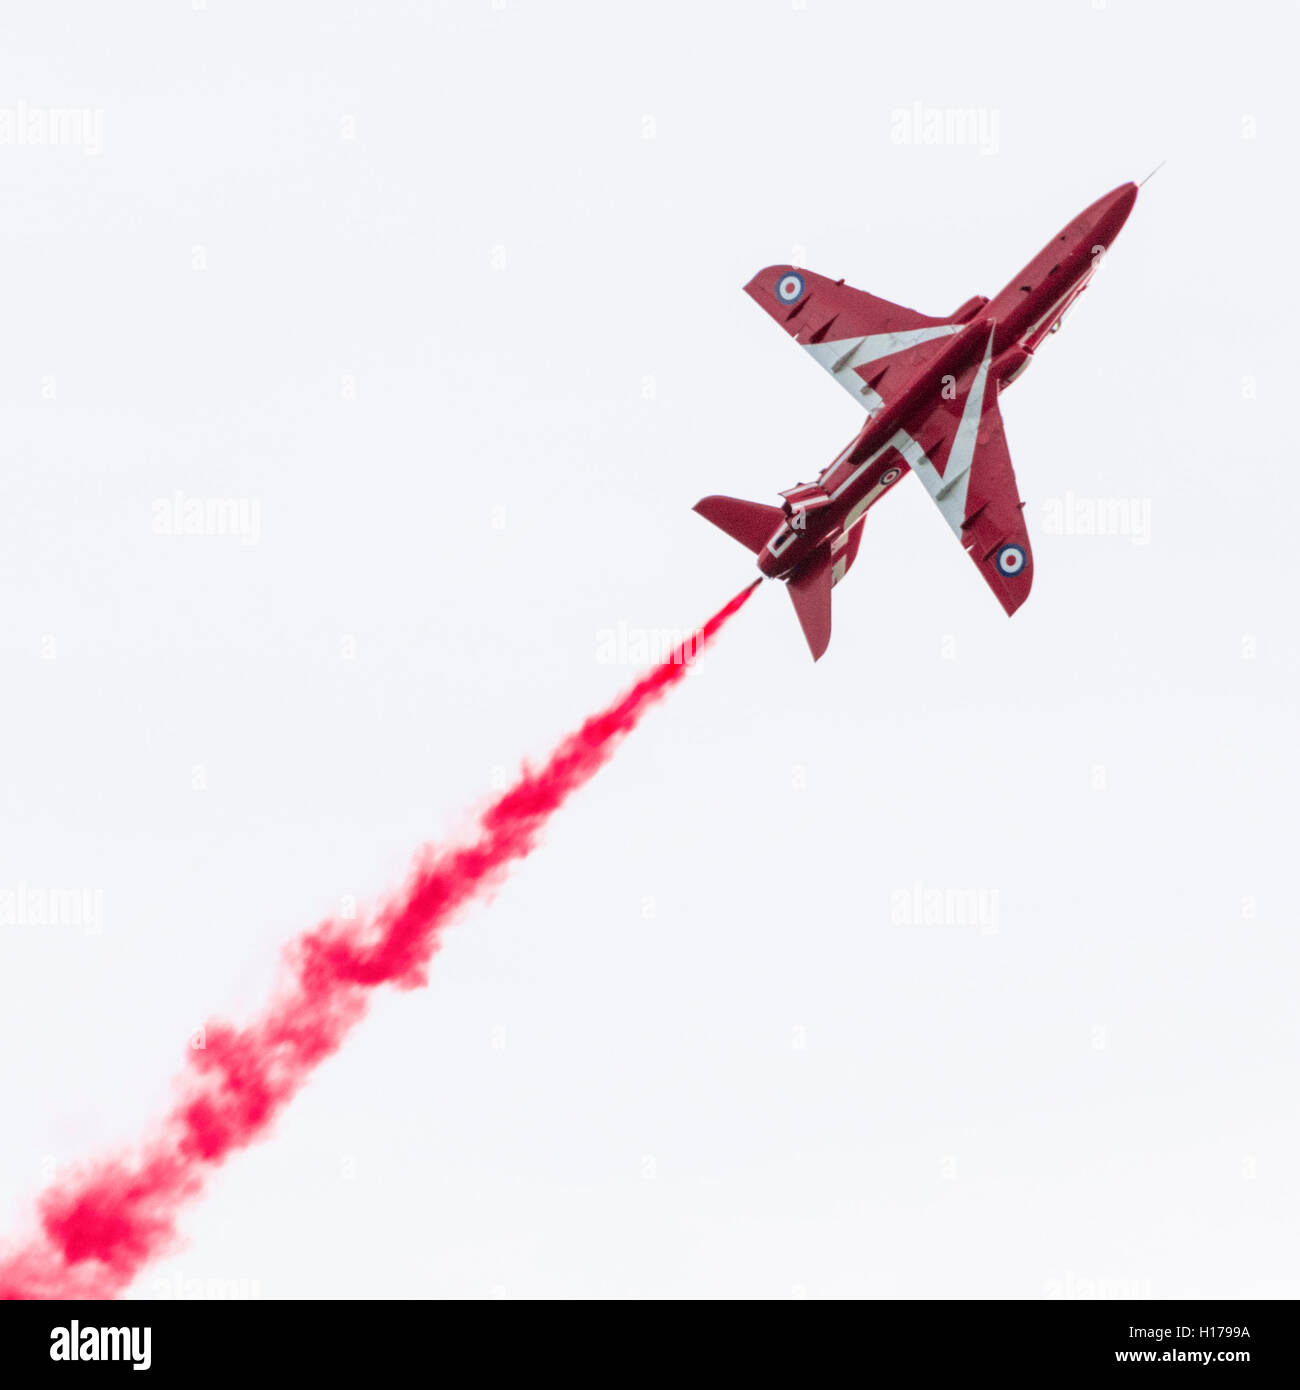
[{"x": 997, "y": 337}]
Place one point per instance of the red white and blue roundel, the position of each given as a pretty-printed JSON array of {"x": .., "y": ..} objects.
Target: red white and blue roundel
[
  {"x": 890, "y": 475},
  {"x": 1011, "y": 560},
  {"x": 789, "y": 288}
]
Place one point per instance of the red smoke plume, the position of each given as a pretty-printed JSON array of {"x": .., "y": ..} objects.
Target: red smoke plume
[{"x": 99, "y": 1230}]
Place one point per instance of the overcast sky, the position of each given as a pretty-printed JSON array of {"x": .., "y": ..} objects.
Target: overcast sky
[{"x": 446, "y": 300}]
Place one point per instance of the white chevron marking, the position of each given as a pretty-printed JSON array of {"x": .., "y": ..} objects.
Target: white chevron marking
[
  {"x": 949, "y": 490},
  {"x": 841, "y": 355}
]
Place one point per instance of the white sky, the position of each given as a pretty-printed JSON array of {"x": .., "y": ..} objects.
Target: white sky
[{"x": 445, "y": 272}]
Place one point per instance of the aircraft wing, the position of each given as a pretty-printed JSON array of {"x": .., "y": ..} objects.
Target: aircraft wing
[
  {"x": 858, "y": 338},
  {"x": 976, "y": 489}
]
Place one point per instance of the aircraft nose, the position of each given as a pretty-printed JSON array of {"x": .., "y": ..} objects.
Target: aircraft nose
[{"x": 1113, "y": 211}]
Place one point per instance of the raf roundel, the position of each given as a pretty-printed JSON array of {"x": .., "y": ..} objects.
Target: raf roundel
[
  {"x": 1011, "y": 560},
  {"x": 890, "y": 475},
  {"x": 789, "y": 288}
]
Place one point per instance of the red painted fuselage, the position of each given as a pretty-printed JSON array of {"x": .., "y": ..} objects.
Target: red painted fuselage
[{"x": 1007, "y": 328}]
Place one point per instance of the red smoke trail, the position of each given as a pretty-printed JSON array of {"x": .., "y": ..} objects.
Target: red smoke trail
[{"x": 99, "y": 1230}]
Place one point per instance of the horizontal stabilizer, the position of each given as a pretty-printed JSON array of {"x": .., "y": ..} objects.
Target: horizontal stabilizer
[{"x": 750, "y": 523}]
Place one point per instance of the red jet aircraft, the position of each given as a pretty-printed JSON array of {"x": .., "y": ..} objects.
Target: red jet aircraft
[{"x": 930, "y": 389}]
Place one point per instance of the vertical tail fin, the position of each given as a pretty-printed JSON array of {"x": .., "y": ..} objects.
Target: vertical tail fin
[{"x": 810, "y": 592}]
